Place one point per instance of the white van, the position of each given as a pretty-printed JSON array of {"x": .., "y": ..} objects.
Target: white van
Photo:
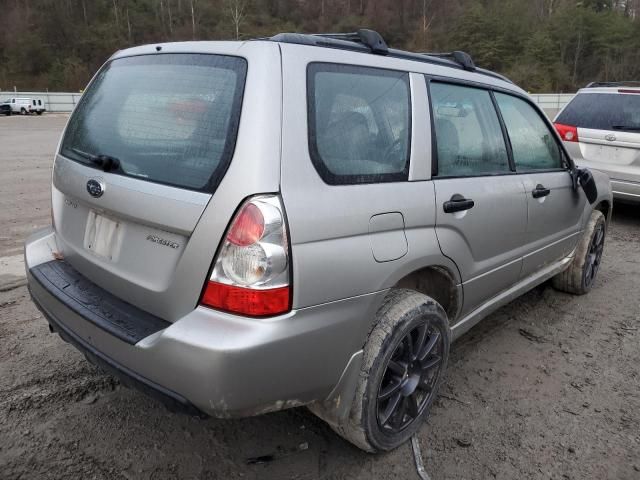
[
  {"x": 38, "y": 106},
  {"x": 24, "y": 105},
  {"x": 19, "y": 105}
]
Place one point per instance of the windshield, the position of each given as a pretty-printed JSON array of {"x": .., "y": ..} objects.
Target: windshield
[
  {"x": 166, "y": 118},
  {"x": 603, "y": 111}
]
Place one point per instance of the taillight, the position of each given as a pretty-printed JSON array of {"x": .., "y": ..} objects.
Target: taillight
[
  {"x": 568, "y": 133},
  {"x": 250, "y": 275}
]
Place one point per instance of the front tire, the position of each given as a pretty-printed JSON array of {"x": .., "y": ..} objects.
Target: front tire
[
  {"x": 580, "y": 276},
  {"x": 404, "y": 361}
]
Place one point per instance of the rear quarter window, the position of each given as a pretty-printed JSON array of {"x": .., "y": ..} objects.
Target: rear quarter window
[
  {"x": 359, "y": 123},
  {"x": 168, "y": 118}
]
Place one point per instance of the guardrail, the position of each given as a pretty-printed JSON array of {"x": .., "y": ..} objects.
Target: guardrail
[
  {"x": 56, "y": 101},
  {"x": 551, "y": 103}
]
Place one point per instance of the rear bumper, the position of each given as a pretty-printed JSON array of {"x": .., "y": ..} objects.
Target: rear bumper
[
  {"x": 172, "y": 400},
  {"x": 625, "y": 185},
  {"x": 215, "y": 363},
  {"x": 625, "y": 190}
]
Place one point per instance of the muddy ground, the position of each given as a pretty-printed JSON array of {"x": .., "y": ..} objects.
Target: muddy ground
[{"x": 547, "y": 387}]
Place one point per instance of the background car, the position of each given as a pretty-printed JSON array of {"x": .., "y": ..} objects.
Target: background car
[
  {"x": 38, "y": 106},
  {"x": 20, "y": 105},
  {"x": 600, "y": 128},
  {"x": 5, "y": 109}
]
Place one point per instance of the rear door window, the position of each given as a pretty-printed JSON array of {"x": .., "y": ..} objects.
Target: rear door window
[
  {"x": 603, "y": 111},
  {"x": 534, "y": 145},
  {"x": 168, "y": 118},
  {"x": 359, "y": 123},
  {"x": 468, "y": 135}
]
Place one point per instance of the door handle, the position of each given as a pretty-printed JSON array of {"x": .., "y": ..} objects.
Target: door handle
[
  {"x": 457, "y": 204},
  {"x": 540, "y": 191}
]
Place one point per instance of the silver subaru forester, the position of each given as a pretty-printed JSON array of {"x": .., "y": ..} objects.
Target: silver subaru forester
[{"x": 244, "y": 227}]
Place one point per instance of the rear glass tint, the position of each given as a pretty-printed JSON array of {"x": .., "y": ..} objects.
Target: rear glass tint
[
  {"x": 359, "y": 123},
  {"x": 168, "y": 118},
  {"x": 603, "y": 111}
]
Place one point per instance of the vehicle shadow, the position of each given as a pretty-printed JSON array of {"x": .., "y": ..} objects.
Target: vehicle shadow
[{"x": 626, "y": 214}]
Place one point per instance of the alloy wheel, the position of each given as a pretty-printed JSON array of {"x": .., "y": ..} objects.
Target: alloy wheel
[
  {"x": 594, "y": 256},
  {"x": 410, "y": 379}
]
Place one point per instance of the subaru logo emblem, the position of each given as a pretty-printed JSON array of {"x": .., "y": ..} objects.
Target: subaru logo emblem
[
  {"x": 95, "y": 188},
  {"x": 610, "y": 137}
]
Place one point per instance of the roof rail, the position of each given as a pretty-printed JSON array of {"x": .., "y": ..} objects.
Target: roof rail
[
  {"x": 629, "y": 83},
  {"x": 370, "y": 41}
]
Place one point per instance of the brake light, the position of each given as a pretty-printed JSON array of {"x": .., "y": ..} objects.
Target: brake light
[
  {"x": 568, "y": 133},
  {"x": 250, "y": 275},
  {"x": 248, "y": 227},
  {"x": 623, "y": 90}
]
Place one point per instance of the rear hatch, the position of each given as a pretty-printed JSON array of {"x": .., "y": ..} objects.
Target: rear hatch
[
  {"x": 139, "y": 162},
  {"x": 608, "y": 131}
]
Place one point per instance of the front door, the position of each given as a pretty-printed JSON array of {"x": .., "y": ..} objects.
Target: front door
[
  {"x": 481, "y": 206},
  {"x": 554, "y": 207}
]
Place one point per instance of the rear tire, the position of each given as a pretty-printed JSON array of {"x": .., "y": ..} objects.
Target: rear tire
[
  {"x": 404, "y": 361},
  {"x": 39, "y": 112},
  {"x": 23, "y": 111},
  {"x": 580, "y": 276}
]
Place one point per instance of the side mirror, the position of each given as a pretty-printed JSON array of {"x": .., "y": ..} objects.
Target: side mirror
[{"x": 588, "y": 184}]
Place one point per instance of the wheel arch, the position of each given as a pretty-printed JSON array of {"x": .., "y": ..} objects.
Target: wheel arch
[
  {"x": 605, "y": 207},
  {"x": 437, "y": 282}
]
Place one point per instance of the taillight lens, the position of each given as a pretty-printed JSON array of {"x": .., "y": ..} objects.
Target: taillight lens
[
  {"x": 250, "y": 275},
  {"x": 568, "y": 133}
]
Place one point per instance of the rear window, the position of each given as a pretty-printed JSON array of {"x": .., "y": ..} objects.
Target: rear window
[
  {"x": 603, "y": 111},
  {"x": 168, "y": 118}
]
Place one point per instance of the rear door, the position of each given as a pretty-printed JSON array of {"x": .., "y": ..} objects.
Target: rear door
[
  {"x": 481, "y": 206},
  {"x": 554, "y": 207},
  {"x": 355, "y": 174},
  {"x": 154, "y": 162},
  {"x": 608, "y": 131}
]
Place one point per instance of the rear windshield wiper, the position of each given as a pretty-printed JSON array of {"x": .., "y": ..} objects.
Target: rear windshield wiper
[
  {"x": 106, "y": 162},
  {"x": 625, "y": 127}
]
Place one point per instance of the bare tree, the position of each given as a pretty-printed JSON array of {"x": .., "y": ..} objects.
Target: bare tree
[
  {"x": 193, "y": 17},
  {"x": 129, "y": 27},
  {"x": 84, "y": 12},
  {"x": 426, "y": 22},
  {"x": 115, "y": 12},
  {"x": 236, "y": 10}
]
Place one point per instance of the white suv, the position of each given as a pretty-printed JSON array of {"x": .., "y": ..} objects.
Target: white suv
[{"x": 600, "y": 128}]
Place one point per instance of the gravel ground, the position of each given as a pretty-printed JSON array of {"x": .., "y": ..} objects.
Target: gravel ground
[{"x": 547, "y": 387}]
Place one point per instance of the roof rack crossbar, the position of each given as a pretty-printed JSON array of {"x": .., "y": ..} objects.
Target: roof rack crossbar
[
  {"x": 369, "y": 38},
  {"x": 461, "y": 58}
]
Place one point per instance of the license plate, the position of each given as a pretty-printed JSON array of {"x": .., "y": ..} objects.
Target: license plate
[{"x": 101, "y": 235}]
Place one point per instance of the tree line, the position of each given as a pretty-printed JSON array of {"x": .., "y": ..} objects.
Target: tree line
[{"x": 543, "y": 45}]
